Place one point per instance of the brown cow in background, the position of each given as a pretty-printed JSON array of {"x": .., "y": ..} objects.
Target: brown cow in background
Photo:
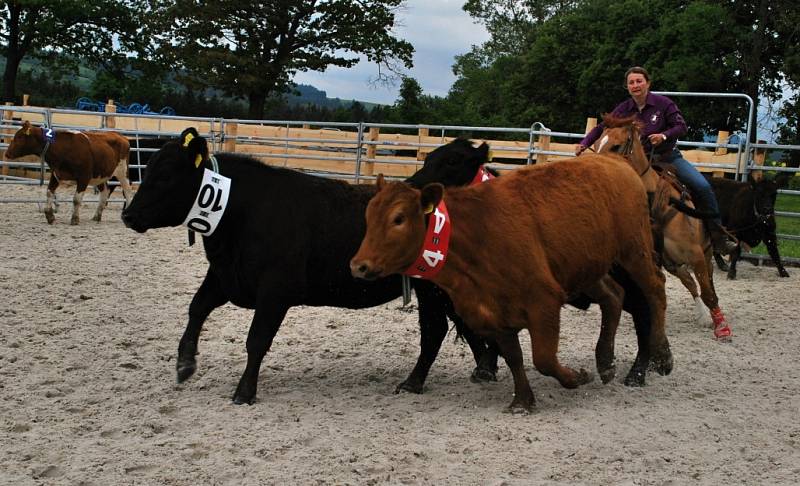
[
  {"x": 519, "y": 247},
  {"x": 88, "y": 158}
]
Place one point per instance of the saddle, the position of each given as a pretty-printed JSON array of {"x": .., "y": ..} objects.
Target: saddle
[{"x": 666, "y": 171}]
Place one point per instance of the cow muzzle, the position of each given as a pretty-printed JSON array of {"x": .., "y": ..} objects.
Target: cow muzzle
[{"x": 365, "y": 269}]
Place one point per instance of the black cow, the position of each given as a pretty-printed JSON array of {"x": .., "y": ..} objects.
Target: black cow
[
  {"x": 457, "y": 163},
  {"x": 748, "y": 211},
  {"x": 285, "y": 238}
]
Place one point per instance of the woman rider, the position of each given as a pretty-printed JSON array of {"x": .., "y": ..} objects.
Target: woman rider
[{"x": 663, "y": 124}]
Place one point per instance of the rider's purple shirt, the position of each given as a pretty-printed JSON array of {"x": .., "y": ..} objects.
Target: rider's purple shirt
[{"x": 659, "y": 115}]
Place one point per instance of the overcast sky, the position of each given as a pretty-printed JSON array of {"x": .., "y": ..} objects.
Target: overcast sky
[{"x": 438, "y": 29}]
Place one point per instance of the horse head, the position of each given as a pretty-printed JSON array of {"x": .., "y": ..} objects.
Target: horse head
[{"x": 621, "y": 135}]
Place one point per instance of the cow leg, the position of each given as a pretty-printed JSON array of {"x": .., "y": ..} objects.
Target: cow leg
[
  {"x": 121, "y": 172},
  {"x": 721, "y": 264},
  {"x": 207, "y": 298},
  {"x": 508, "y": 343},
  {"x": 98, "y": 214},
  {"x": 266, "y": 321},
  {"x": 771, "y": 242},
  {"x": 545, "y": 328},
  {"x": 609, "y": 295},
  {"x": 51, "y": 196},
  {"x": 77, "y": 200},
  {"x": 650, "y": 280},
  {"x": 734, "y": 259},
  {"x": 433, "y": 329}
]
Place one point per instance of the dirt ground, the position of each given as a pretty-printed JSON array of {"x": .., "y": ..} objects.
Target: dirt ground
[{"x": 90, "y": 318}]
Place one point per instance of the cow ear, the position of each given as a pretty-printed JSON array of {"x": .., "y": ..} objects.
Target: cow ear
[
  {"x": 380, "y": 181},
  {"x": 431, "y": 196},
  {"x": 782, "y": 178},
  {"x": 27, "y": 127},
  {"x": 195, "y": 145}
]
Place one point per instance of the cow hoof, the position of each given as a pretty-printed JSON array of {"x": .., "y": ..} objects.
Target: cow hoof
[
  {"x": 241, "y": 398},
  {"x": 608, "y": 374},
  {"x": 185, "y": 369},
  {"x": 731, "y": 275},
  {"x": 482, "y": 375},
  {"x": 584, "y": 377},
  {"x": 410, "y": 387},
  {"x": 636, "y": 377},
  {"x": 662, "y": 362},
  {"x": 74, "y": 221},
  {"x": 520, "y": 407},
  {"x": 96, "y": 217},
  {"x": 49, "y": 217},
  {"x": 783, "y": 273}
]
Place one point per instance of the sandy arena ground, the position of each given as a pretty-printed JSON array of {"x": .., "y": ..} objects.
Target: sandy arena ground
[{"x": 90, "y": 318}]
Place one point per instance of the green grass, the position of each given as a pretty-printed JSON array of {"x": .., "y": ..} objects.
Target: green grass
[{"x": 786, "y": 226}]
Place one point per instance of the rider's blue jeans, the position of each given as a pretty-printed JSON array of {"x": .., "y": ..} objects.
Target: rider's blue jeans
[{"x": 702, "y": 194}]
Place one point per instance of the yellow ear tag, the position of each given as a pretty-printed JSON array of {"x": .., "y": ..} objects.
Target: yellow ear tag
[
  {"x": 188, "y": 139},
  {"x": 429, "y": 209},
  {"x": 489, "y": 156},
  {"x": 28, "y": 131},
  {"x": 198, "y": 161}
]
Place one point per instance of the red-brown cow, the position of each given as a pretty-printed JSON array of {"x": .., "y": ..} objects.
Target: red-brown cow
[
  {"x": 88, "y": 158},
  {"x": 519, "y": 246}
]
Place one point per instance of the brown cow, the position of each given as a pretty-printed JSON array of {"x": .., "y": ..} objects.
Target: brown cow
[
  {"x": 519, "y": 247},
  {"x": 88, "y": 158}
]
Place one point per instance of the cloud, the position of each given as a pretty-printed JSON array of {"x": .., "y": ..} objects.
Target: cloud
[{"x": 439, "y": 30}]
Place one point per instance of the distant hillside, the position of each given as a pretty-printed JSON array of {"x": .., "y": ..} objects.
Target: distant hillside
[{"x": 305, "y": 94}]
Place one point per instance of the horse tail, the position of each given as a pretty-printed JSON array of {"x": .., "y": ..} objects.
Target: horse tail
[{"x": 682, "y": 207}]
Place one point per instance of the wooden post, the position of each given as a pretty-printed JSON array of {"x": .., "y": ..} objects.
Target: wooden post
[
  {"x": 25, "y": 99},
  {"x": 591, "y": 122},
  {"x": 231, "y": 130},
  {"x": 7, "y": 115},
  {"x": 759, "y": 157},
  {"x": 543, "y": 144},
  {"x": 722, "y": 137},
  {"x": 422, "y": 152},
  {"x": 306, "y": 126},
  {"x": 110, "y": 121},
  {"x": 368, "y": 166}
]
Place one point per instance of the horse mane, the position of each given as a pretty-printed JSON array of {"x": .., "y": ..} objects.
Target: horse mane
[{"x": 612, "y": 121}]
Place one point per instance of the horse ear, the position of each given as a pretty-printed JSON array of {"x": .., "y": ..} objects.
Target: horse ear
[
  {"x": 195, "y": 145},
  {"x": 380, "y": 181},
  {"x": 431, "y": 196}
]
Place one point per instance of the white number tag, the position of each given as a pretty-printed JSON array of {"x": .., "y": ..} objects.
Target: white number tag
[{"x": 212, "y": 198}]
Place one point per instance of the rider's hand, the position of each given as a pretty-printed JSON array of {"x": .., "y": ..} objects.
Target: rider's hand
[
  {"x": 579, "y": 149},
  {"x": 657, "y": 139}
]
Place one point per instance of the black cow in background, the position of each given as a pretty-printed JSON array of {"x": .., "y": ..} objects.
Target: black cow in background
[
  {"x": 747, "y": 210},
  {"x": 285, "y": 238}
]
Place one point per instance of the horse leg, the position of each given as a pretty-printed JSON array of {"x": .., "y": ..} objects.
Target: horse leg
[
  {"x": 104, "y": 191},
  {"x": 609, "y": 295},
  {"x": 207, "y": 298},
  {"x": 51, "y": 196},
  {"x": 266, "y": 322},
  {"x": 544, "y": 327},
  {"x": 685, "y": 276},
  {"x": 77, "y": 200},
  {"x": 508, "y": 343},
  {"x": 703, "y": 271}
]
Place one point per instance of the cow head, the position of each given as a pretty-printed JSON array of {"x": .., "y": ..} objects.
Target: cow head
[
  {"x": 765, "y": 192},
  {"x": 170, "y": 185},
  {"x": 454, "y": 164},
  {"x": 27, "y": 141},
  {"x": 395, "y": 228}
]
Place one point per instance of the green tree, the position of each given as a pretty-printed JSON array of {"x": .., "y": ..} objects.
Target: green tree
[
  {"x": 62, "y": 32},
  {"x": 252, "y": 49}
]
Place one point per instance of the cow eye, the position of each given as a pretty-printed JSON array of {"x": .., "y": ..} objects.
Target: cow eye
[{"x": 399, "y": 219}]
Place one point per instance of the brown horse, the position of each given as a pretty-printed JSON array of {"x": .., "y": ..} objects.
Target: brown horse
[
  {"x": 686, "y": 243},
  {"x": 88, "y": 158},
  {"x": 519, "y": 247}
]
